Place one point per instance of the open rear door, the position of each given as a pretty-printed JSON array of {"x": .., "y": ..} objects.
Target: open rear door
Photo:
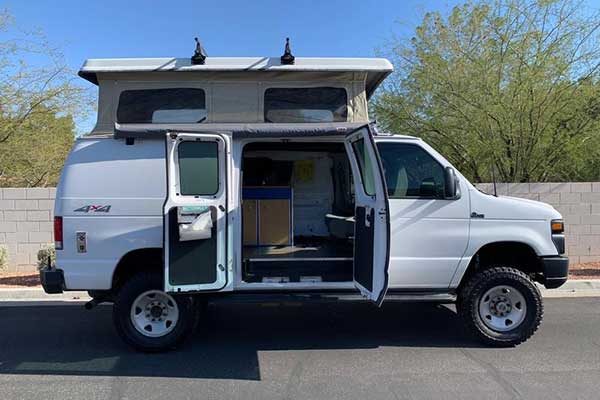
[
  {"x": 372, "y": 226},
  {"x": 195, "y": 212}
]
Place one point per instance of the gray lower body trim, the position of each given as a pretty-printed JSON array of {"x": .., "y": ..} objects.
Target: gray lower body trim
[{"x": 241, "y": 296}]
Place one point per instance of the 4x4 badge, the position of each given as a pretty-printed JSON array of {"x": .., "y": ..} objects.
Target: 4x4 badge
[{"x": 93, "y": 209}]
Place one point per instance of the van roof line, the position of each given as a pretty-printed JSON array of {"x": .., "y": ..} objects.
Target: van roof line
[
  {"x": 250, "y": 130},
  {"x": 239, "y": 130},
  {"x": 397, "y": 136},
  {"x": 377, "y": 69}
]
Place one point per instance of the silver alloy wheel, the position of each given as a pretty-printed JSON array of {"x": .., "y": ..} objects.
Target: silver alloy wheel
[
  {"x": 502, "y": 308},
  {"x": 154, "y": 313}
]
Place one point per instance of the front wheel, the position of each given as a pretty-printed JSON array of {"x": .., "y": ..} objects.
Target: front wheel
[
  {"x": 501, "y": 306},
  {"x": 150, "y": 320}
]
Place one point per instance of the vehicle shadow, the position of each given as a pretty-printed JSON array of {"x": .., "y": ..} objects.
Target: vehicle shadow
[{"x": 67, "y": 340}]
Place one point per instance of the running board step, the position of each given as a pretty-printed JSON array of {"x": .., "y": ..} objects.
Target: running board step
[{"x": 307, "y": 297}]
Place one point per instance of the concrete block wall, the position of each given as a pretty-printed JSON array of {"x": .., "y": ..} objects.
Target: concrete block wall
[
  {"x": 26, "y": 218},
  {"x": 26, "y": 224},
  {"x": 578, "y": 202}
]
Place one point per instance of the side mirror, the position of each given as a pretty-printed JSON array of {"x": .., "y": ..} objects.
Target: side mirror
[{"x": 450, "y": 184}]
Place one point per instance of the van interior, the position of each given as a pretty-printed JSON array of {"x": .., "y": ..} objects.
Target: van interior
[{"x": 297, "y": 213}]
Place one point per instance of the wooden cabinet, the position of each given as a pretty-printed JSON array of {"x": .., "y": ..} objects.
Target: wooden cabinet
[
  {"x": 274, "y": 222},
  {"x": 267, "y": 216},
  {"x": 250, "y": 222}
]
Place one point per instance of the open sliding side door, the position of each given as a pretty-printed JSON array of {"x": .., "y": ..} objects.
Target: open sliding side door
[
  {"x": 195, "y": 212},
  {"x": 372, "y": 226}
]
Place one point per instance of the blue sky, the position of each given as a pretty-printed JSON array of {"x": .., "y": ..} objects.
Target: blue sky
[
  {"x": 107, "y": 28},
  {"x": 134, "y": 28}
]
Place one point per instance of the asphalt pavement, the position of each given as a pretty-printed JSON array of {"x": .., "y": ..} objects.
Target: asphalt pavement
[{"x": 315, "y": 351}]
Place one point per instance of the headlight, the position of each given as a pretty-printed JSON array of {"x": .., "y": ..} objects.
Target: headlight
[{"x": 557, "y": 226}]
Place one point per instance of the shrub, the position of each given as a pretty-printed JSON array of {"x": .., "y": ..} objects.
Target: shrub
[
  {"x": 3, "y": 259},
  {"x": 43, "y": 254}
]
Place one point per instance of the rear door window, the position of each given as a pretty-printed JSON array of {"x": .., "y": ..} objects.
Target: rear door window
[
  {"x": 364, "y": 164},
  {"x": 198, "y": 168},
  {"x": 316, "y": 104},
  {"x": 162, "y": 106}
]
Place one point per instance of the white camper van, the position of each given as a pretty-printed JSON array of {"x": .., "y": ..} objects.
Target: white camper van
[{"x": 262, "y": 179}]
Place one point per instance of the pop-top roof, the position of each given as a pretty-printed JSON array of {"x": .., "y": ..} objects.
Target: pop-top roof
[{"x": 377, "y": 69}]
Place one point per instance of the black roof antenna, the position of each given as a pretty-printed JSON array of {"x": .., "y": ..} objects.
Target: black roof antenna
[
  {"x": 199, "y": 54},
  {"x": 287, "y": 58}
]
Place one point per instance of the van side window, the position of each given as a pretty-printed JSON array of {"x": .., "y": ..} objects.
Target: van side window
[
  {"x": 411, "y": 172},
  {"x": 162, "y": 106},
  {"x": 316, "y": 104},
  {"x": 364, "y": 164},
  {"x": 198, "y": 168}
]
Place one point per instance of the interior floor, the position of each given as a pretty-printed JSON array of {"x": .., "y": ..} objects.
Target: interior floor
[
  {"x": 276, "y": 270},
  {"x": 315, "y": 260},
  {"x": 322, "y": 249}
]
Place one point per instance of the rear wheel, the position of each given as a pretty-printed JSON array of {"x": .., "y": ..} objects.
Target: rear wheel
[
  {"x": 501, "y": 306},
  {"x": 151, "y": 320}
]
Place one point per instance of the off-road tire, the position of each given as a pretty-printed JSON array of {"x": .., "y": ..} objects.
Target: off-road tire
[
  {"x": 189, "y": 315},
  {"x": 470, "y": 296}
]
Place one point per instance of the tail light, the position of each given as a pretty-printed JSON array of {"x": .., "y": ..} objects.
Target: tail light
[{"x": 58, "y": 233}]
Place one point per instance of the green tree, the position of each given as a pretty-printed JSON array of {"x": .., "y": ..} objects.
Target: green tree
[
  {"x": 35, "y": 155},
  {"x": 39, "y": 101},
  {"x": 506, "y": 85}
]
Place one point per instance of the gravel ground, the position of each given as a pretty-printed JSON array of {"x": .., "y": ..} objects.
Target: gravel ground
[
  {"x": 19, "y": 279},
  {"x": 585, "y": 271}
]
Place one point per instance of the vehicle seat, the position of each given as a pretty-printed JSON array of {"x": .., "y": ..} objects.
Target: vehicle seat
[{"x": 339, "y": 226}]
